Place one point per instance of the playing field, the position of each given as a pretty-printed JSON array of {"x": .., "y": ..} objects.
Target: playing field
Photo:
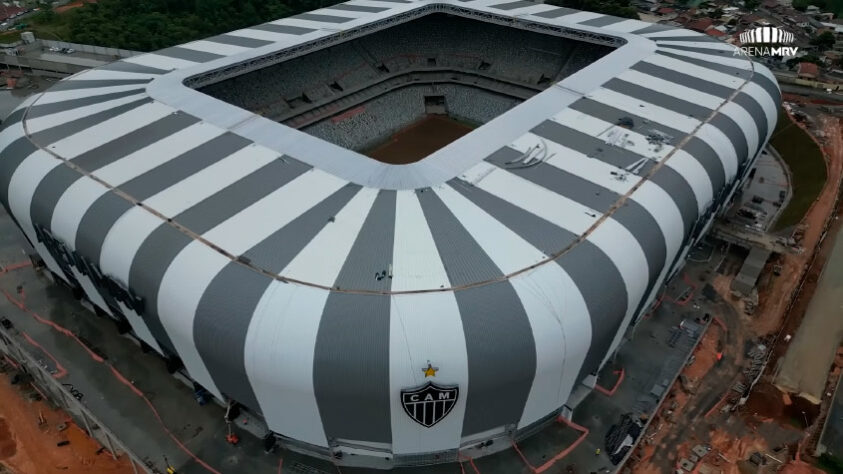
[{"x": 419, "y": 140}]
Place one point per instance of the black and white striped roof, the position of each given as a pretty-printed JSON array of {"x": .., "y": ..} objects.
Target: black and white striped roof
[{"x": 254, "y": 246}]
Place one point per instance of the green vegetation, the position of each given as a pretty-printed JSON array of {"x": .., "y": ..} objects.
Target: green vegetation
[
  {"x": 807, "y": 169},
  {"x": 619, "y": 8},
  {"x": 148, "y": 25},
  {"x": 808, "y": 58},
  {"x": 824, "y": 41},
  {"x": 830, "y": 464},
  {"x": 834, "y": 6}
]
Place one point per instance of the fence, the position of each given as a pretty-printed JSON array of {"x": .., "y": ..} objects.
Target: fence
[{"x": 65, "y": 399}]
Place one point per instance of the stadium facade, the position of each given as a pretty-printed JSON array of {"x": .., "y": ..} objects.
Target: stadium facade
[{"x": 398, "y": 312}]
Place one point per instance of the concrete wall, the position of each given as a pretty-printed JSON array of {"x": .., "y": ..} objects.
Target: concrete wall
[
  {"x": 114, "y": 53},
  {"x": 808, "y": 83}
]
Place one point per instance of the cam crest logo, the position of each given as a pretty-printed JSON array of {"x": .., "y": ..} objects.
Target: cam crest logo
[
  {"x": 428, "y": 404},
  {"x": 766, "y": 41}
]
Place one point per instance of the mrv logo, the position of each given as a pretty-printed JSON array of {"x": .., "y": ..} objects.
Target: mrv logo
[{"x": 766, "y": 41}]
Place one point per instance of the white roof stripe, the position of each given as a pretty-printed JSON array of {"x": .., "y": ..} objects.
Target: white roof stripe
[
  {"x": 51, "y": 96},
  {"x": 222, "y": 49},
  {"x": 35, "y": 125},
  {"x": 415, "y": 337},
  {"x": 111, "y": 129},
  {"x": 159, "y": 61},
  {"x": 284, "y": 205},
  {"x": 672, "y": 89}
]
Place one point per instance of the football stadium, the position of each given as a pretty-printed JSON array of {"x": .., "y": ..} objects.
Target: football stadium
[{"x": 391, "y": 229}]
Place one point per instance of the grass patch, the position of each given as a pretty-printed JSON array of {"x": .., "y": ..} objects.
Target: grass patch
[
  {"x": 807, "y": 169},
  {"x": 831, "y": 464}
]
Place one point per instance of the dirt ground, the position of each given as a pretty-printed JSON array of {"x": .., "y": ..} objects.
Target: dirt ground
[
  {"x": 774, "y": 302},
  {"x": 27, "y": 447},
  {"x": 774, "y": 299},
  {"x": 419, "y": 140},
  {"x": 771, "y": 422}
]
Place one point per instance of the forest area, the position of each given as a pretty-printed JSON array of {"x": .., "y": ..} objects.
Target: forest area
[{"x": 148, "y": 25}]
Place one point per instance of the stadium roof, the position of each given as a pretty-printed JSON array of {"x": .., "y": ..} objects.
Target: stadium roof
[{"x": 516, "y": 255}]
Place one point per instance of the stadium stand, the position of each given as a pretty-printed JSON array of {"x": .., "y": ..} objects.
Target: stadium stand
[
  {"x": 392, "y": 112},
  {"x": 306, "y": 91}
]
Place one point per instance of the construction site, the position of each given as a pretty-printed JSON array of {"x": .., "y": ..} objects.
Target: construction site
[{"x": 757, "y": 392}]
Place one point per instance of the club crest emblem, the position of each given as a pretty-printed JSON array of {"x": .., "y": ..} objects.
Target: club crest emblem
[{"x": 428, "y": 404}]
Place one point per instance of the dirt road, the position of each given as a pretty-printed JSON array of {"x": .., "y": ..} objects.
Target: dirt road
[{"x": 775, "y": 298}]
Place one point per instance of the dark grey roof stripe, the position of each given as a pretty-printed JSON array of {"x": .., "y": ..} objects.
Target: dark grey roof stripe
[
  {"x": 239, "y": 41},
  {"x": 709, "y": 160},
  {"x": 632, "y": 215},
  {"x": 514, "y": 5},
  {"x": 734, "y": 133},
  {"x": 11, "y": 158},
  {"x": 13, "y": 118},
  {"x": 105, "y": 211},
  {"x": 757, "y": 113},
  {"x": 556, "y": 13},
  {"x": 47, "y": 109},
  {"x": 731, "y": 70},
  {"x": 357, "y": 8},
  {"x": 188, "y": 54},
  {"x": 59, "y": 179},
  {"x": 283, "y": 29},
  {"x": 392, "y": 1},
  {"x": 760, "y": 79},
  {"x": 124, "y": 66},
  {"x": 321, "y": 18},
  {"x": 229, "y": 302},
  {"x": 698, "y": 149},
  {"x": 682, "y": 193},
  {"x": 74, "y": 84},
  {"x": 684, "y": 79},
  {"x": 240, "y": 195},
  {"x": 604, "y": 20},
  {"x": 161, "y": 247},
  {"x": 135, "y": 140},
  {"x": 694, "y": 39},
  {"x": 660, "y": 99},
  {"x": 654, "y": 28},
  {"x": 584, "y": 143},
  {"x": 720, "y": 121},
  {"x": 498, "y": 336},
  {"x": 351, "y": 354},
  {"x": 771, "y": 87},
  {"x": 700, "y": 49},
  {"x": 585, "y": 263},
  {"x": 54, "y": 134}
]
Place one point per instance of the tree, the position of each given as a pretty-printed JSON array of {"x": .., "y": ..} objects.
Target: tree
[
  {"x": 147, "y": 25},
  {"x": 808, "y": 58},
  {"x": 751, "y": 4},
  {"x": 620, "y": 8},
  {"x": 824, "y": 41},
  {"x": 716, "y": 13}
]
